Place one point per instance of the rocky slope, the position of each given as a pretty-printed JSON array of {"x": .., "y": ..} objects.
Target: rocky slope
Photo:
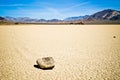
[{"x": 107, "y": 14}]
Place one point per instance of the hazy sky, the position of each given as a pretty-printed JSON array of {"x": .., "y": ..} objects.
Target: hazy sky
[{"x": 49, "y": 9}]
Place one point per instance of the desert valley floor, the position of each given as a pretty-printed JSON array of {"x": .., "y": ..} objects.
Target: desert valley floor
[{"x": 81, "y": 52}]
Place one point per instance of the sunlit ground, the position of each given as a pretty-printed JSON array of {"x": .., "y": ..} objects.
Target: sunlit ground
[{"x": 81, "y": 52}]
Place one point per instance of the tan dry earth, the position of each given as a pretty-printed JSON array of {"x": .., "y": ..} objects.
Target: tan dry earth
[{"x": 81, "y": 52}]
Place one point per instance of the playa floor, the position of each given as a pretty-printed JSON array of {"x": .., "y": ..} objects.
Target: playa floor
[{"x": 81, "y": 52}]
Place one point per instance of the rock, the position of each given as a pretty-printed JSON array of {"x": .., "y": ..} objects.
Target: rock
[
  {"x": 46, "y": 63},
  {"x": 114, "y": 36}
]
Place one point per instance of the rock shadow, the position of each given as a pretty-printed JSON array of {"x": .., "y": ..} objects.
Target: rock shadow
[{"x": 37, "y": 66}]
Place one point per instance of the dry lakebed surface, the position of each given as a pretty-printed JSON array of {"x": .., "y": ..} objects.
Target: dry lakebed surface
[{"x": 81, "y": 52}]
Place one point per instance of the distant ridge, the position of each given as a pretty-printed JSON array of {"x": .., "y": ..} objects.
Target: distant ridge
[
  {"x": 107, "y": 16},
  {"x": 30, "y": 20},
  {"x": 5, "y": 21},
  {"x": 76, "y": 18},
  {"x": 2, "y": 18}
]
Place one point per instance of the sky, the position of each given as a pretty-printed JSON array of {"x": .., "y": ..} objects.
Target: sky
[{"x": 51, "y": 9}]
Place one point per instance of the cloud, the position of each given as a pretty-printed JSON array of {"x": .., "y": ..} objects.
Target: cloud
[
  {"x": 10, "y": 5},
  {"x": 63, "y": 12},
  {"x": 22, "y": 5},
  {"x": 56, "y": 12},
  {"x": 75, "y": 6}
]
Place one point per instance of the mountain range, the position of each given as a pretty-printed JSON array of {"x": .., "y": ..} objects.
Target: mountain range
[
  {"x": 29, "y": 20},
  {"x": 107, "y": 14}
]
